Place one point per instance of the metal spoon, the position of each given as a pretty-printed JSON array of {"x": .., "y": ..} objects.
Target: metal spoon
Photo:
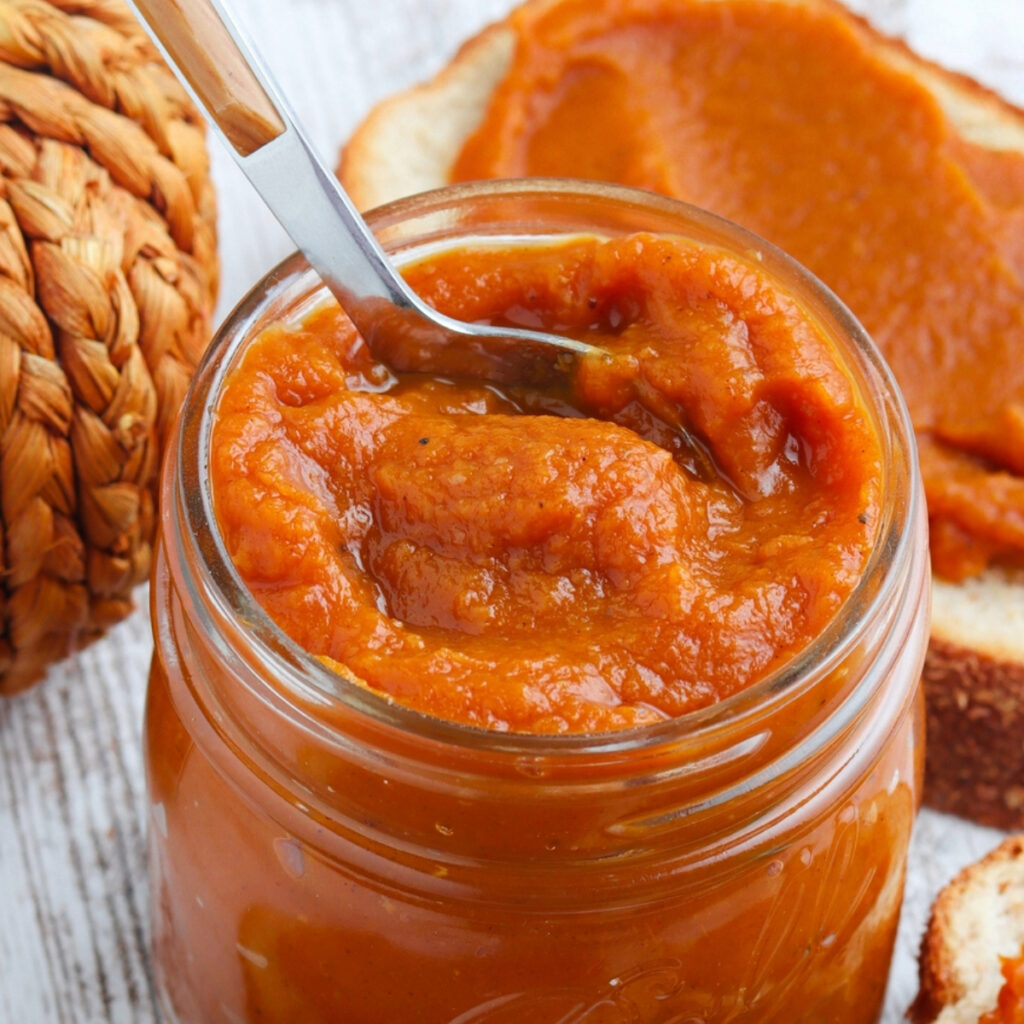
[{"x": 227, "y": 78}]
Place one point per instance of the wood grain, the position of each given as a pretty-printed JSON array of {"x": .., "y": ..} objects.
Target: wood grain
[
  {"x": 195, "y": 38},
  {"x": 73, "y": 919}
]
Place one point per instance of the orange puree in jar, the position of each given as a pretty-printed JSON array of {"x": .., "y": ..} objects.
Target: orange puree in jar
[
  {"x": 785, "y": 121},
  {"x": 556, "y": 560}
]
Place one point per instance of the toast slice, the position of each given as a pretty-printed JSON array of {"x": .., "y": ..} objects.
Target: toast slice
[
  {"x": 974, "y": 675},
  {"x": 976, "y": 919}
]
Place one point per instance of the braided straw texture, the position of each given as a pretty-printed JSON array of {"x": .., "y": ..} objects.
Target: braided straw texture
[{"x": 108, "y": 272}]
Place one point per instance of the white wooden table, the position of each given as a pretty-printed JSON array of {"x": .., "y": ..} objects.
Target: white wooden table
[{"x": 73, "y": 916}]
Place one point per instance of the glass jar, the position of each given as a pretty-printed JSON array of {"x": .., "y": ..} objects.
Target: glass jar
[{"x": 320, "y": 854}]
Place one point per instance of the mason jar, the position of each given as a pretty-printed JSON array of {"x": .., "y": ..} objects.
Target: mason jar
[{"x": 319, "y": 853}]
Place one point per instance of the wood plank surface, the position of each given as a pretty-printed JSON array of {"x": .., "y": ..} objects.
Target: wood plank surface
[{"x": 73, "y": 916}]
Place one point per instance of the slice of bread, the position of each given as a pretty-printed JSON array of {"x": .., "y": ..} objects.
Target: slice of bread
[
  {"x": 974, "y": 676},
  {"x": 410, "y": 141},
  {"x": 974, "y": 692},
  {"x": 976, "y": 919}
]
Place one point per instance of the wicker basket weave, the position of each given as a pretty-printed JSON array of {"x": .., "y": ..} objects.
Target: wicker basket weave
[{"x": 107, "y": 277}]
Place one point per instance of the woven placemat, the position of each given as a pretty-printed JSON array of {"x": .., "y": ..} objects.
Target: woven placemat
[{"x": 108, "y": 273}]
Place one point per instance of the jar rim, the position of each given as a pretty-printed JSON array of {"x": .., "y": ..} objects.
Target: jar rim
[{"x": 303, "y": 674}]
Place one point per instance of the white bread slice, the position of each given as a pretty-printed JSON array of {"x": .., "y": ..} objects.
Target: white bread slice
[
  {"x": 412, "y": 139},
  {"x": 976, "y": 919},
  {"x": 974, "y": 675}
]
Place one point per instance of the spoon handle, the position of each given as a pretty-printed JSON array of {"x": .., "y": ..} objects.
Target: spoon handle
[
  {"x": 198, "y": 41},
  {"x": 229, "y": 81}
]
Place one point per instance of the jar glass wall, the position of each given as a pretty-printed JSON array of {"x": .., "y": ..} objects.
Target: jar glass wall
[{"x": 318, "y": 853}]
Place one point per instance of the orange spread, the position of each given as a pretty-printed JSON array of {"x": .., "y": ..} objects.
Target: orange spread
[
  {"x": 1010, "y": 1007},
  {"x": 786, "y": 122},
  {"x": 553, "y": 560}
]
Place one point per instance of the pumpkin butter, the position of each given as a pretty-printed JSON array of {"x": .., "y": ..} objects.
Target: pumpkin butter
[
  {"x": 784, "y": 121},
  {"x": 552, "y": 560}
]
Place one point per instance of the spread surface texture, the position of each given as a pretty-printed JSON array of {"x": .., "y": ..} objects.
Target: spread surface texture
[{"x": 557, "y": 559}]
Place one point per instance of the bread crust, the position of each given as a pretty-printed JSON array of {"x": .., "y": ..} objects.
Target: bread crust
[
  {"x": 974, "y": 760},
  {"x": 977, "y": 918},
  {"x": 974, "y": 673},
  {"x": 974, "y": 694},
  {"x": 411, "y": 140}
]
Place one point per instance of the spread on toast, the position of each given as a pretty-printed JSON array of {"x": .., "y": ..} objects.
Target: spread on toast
[{"x": 784, "y": 120}]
